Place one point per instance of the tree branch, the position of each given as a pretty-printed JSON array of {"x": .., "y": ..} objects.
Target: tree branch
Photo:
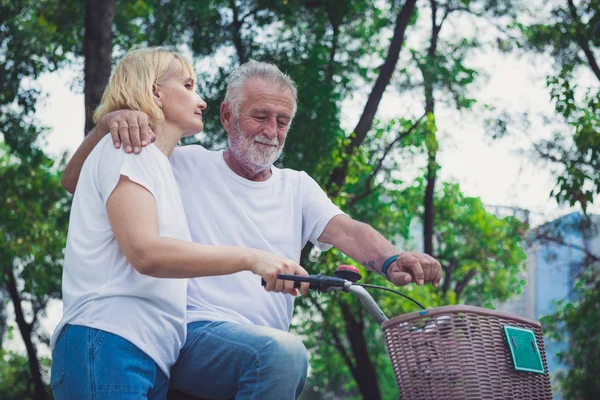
[
  {"x": 462, "y": 284},
  {"x": 376, "y": 170},
  {"x": 559, "y": 241},
  {"x": 582, "y": 41},
  {"x": 448, "y": 271}
]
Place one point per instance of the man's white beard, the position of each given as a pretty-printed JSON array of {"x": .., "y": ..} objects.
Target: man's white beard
[{"x": 253, "y": 156}]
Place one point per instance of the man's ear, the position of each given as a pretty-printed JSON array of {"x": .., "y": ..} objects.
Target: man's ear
[
  {"x": 226, "y": 116},
  {"x": 157, "y": 95}
]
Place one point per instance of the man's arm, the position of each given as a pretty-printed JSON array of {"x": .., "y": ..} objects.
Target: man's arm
[
  {"x": 128, "y": 128},
  {"x": 367, "y": 246}
]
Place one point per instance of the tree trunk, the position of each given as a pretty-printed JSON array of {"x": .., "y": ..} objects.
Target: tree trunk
[
  {"x": 236, "y": 33},
  {"x": 429, "y": 210},
  {"x": 428, "y": 82},
  {"x": 428, "y": 204},
  {"x": 365, "y": 372},
  {"x": 338, "y": 176},
  {"x": 26, "y": 331},
  {"x": 97, "y": 50}
]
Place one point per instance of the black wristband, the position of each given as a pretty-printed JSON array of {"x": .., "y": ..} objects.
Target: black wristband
[{"x": 386, "y": 265}]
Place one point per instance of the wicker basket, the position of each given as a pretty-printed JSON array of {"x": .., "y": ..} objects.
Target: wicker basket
[{"x": 459, "y": 352}]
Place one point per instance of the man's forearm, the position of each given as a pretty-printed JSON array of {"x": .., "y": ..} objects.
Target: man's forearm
[
  {"x": 70, "y": 175},
  {"x": 372, "y": 250},
  {"x": 359, "y": 241},
  {"x": 369, "y": 248}
]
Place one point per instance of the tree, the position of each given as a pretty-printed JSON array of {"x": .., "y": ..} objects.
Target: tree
[
  {"x": 32, "y": 216},
  {"x": 579, "y": 322},
  {"x": 572, "y": 37},
  {"x": 575, "y": 321},
  {"x": 31, "y": 252}
]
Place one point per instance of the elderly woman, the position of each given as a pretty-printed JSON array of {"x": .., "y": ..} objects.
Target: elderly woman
[{"x": 124, "y": 313}]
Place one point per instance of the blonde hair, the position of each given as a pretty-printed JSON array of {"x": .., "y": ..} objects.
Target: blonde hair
[{"x": 131, "y": 83}]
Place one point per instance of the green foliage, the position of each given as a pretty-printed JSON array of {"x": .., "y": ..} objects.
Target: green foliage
[
  {"x": 580, "y": 156},
  {"x": 580, "y": 322},
  {"x": 572, "y": 36},
  {"x": 319, "y": 44},
  {"x": 34, "y": 37},
  {"x": 14, "y": 376},
  {"x": 481, "y": 255},
  {"x": 30, "y": 191},
  {"x": 33, "y": 221}
]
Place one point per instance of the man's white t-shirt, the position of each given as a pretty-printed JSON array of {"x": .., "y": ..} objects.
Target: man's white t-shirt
[
  {"x": 279, "y": 215},
  {"x": 101, "y": 289}
]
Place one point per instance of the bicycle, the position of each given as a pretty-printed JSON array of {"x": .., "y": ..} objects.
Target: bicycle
[{"x": 452, "y": 352}]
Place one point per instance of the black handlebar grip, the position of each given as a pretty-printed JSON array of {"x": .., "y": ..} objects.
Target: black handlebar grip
[
  {"x": 317, "y": 282},
  {"x": 296, "y": 283}
]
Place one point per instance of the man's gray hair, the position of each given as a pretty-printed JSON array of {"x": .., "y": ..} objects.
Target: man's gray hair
[{"x": 255, "y": 69}]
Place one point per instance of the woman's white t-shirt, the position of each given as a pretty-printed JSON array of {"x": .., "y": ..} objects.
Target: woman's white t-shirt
[{"x": 101, "y": 289}]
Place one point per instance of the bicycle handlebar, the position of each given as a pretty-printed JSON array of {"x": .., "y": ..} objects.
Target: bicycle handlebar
[
  {"x": 324, "y": 283},
  {"x": 321, "y": 283}
]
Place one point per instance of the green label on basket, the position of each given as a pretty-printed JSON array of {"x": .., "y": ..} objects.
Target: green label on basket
[{"x": 523, "y": 349}]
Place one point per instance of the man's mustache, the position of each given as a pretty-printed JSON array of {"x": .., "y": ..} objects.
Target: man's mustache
[{"x": 264, "y": 140}]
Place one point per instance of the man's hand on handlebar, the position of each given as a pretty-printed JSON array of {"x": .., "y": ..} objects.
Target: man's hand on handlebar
[
  {"x": 415, "y": 267},
  {"x": 128, "y": 128},
  {"x": 269, "y": 265}
]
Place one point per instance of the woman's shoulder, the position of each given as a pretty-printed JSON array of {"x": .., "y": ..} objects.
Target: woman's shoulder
[
  {"x": 190, "y": 155},
  {"x": 189, "y": 149}
]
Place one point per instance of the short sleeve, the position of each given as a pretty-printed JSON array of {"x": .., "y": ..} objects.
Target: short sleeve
[
  {"x": 139, "y": 168},
  {"x": 317, "y": 211}
]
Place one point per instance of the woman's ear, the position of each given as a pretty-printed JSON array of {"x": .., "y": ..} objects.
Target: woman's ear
[{"x": 157, "y": 95}]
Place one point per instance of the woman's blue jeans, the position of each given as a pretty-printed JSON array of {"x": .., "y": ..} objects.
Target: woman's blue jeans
[
  {"x": 225, "y": 360},
  {"x": 89, "y": 363}
]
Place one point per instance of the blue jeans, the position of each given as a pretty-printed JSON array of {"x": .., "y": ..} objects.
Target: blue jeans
[
  {"x": 224, "y": 360},
  {"x": 89, "y": 363}
]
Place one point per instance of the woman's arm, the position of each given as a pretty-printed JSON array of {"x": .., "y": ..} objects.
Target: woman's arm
[
  {"x": 130, "y": 127},
  {"x": 134, "y": 221}
]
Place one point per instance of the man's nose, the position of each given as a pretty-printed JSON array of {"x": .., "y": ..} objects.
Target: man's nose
[{"x": 270, "y": 129}]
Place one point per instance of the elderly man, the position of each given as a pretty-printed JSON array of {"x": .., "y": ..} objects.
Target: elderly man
[{"x": 238, "y": 344}]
